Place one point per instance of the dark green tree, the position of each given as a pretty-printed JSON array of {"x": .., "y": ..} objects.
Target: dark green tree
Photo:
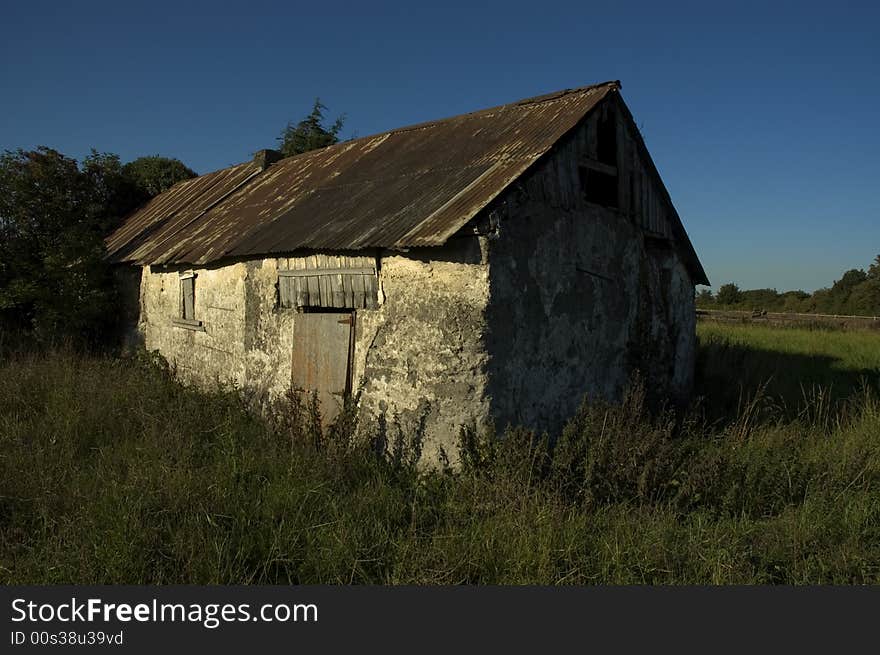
[
  {"x": 310, "y": 133},
  {"x": 728, "y": 294},
  {"x": 53, "y": 280},
  {"x": 848, "y": 282},
  {"x": 54, "y": 215},
  {"x": 842, "y": 288},
  {"x": 821, "y": 302},
  {"x": 112, "y": 193},
  {"x": 874, "y": 269},
  {"x": 864, "y": 300},
  {"x": 793, "y": 301},
  {"x": 766, "y": 299},
  {"x": 154, "y": 174}
]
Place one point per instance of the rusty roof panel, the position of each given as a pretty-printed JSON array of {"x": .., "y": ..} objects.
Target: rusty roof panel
[
  {"x": 162, "y": 222},
  {"x": 414, "y": 186}
]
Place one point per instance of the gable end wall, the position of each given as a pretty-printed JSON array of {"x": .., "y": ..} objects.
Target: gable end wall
[{"x": 579, "y": 299}]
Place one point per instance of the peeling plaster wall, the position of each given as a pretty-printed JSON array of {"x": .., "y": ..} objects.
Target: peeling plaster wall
[
  {"x": 579, "y": 298},
  {"x": 419, "y": 358},
  {"x": 246, "y": 340},
  {"x": 206, "y": 356}
]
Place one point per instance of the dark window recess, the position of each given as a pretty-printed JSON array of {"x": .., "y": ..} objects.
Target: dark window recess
[
  {"x": 658, "y": 244},
  {"x": 187, "y": 298},
  {"x": 606, "y": 140},
  {"x": 599, "y": 187}
]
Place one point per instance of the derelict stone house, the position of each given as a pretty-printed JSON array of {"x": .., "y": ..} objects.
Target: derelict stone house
[{"x": 492, "y": 266}]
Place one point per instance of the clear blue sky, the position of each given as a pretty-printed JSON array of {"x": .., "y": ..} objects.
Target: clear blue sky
[{"x": 761, "y": 117}]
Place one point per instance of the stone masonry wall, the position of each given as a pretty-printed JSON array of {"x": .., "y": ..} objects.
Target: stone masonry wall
[
  {"x": 418, "y": 357},
  {"x": 581, "y": 295}
]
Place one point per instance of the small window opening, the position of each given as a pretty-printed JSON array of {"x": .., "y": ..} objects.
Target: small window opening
[
  {"x": 658, "y": 244},
  {"x": 599, "y": 187},
  {"x": 187, "y": 298},
  {"x": 606, "y": 139},
  {"x": 186, "y": 315}
]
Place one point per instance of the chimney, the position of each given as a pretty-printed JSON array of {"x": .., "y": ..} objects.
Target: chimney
[{"x": 265, "y": 158}]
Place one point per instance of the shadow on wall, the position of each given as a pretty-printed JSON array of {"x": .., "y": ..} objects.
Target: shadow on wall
[{"x": 127, "y": 286}]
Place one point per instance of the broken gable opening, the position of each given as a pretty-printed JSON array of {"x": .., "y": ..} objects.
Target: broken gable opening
[
  {"x": 599, "y": 186},
  {"x": 599, "y": 175}
]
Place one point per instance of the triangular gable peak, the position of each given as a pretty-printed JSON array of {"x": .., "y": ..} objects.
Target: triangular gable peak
[
  {"x": 603, "y": 161},
  {"x": 648, "y": 198}
]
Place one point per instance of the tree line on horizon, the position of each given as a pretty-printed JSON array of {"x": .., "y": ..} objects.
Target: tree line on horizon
[{"x": 856, "y": 293}]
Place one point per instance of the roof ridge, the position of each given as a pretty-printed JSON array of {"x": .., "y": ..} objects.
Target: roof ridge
[
  {"x": 553, "y": 95},
  {"x": 533, "y": 100},
  {"x": 547, "y": 97}
]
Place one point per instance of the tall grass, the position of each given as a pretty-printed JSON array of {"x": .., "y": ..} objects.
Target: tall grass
[
  {"x": 113, "y": 472},
  {"x": 808, "y": 372}
]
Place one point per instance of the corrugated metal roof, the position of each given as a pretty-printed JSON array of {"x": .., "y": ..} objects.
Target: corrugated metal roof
[
  {"x": 166, "y": 219},
  {"x": 413, "y": 186}
]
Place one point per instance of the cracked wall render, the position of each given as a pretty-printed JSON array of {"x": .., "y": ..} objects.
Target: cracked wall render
[
  {"x": 215, "y": 354},
  {"x": 421, "y": 356},
  {"x": 581, "y": 295},
  {"x": 418, "y": 357}
]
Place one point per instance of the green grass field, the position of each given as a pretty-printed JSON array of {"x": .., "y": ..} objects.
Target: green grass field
[
  {"x": 801, "y": 369},
  {"x": 112, "y": 472}
]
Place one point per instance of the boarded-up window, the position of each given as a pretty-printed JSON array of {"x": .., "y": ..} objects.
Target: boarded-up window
[
  {"x": 186, "y": 317},
  {"x": 650, "y": 208},
  {"x": 350, "y": 288},
  {"x": 187, "y": 296}
]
